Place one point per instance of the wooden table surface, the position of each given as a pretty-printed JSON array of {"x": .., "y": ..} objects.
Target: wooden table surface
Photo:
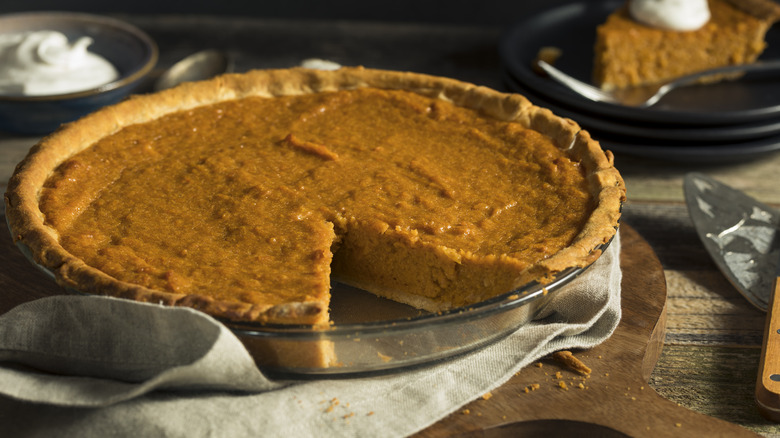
[{"x": 713, "y": 336}]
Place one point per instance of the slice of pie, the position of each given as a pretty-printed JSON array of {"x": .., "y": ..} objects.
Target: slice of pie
[
  {"x": 628, "y": 53},
  {"x": 241, "y": 196}
]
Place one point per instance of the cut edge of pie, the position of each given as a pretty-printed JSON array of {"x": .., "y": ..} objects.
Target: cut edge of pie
[{"x": 28, "y": 225}]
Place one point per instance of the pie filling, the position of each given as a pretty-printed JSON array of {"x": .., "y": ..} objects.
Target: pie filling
[{"x": 255, "y": 200}]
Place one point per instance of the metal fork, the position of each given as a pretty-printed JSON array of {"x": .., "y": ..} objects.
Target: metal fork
[{"x": 647, "y": 95}]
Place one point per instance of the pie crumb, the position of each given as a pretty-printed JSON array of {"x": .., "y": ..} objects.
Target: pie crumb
[
  {"x": 333, "y": 403},
  {"x": 548, "y": 54},
  {"x": 571, "y": 362},
  {"x": 532, "y": 387},
  {"x": 384, "y": 357}
]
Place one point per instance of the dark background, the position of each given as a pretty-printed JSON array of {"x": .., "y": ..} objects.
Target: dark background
[{"x": 461, "y": 12}]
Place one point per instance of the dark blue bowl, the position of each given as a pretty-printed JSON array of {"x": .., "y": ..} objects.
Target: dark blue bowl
[{"x": 131, "y": 51}]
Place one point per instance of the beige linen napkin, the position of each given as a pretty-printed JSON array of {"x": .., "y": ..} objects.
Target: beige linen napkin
[{"x": 95, "y": 367}]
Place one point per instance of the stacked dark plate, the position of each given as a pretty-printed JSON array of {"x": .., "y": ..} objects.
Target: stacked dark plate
[{"x": 724, "y": 122}]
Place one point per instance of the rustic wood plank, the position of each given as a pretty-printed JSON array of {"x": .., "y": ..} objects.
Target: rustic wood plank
[
  {"x": 670, "y": 232},
  {"x": 651, "y": 180},
  {"x": 704, "y": 308},
  {"x": 694, "y": 376}
]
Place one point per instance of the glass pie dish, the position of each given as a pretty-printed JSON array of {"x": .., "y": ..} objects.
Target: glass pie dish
[{"x": 371, "y": 335}]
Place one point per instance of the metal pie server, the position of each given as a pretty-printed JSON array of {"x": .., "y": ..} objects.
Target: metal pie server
[{"x": 741, "y": 234}]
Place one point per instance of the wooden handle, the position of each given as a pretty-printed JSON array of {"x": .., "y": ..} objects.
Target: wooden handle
[{"x": 768, "y": 384}]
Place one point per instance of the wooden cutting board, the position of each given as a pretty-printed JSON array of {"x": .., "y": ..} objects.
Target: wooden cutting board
[{"x": 615, "y": 400}]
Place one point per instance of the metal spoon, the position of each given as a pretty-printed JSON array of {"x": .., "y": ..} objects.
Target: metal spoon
[
  {"x": 648, "y": 95},
  {"x": 198, "y": 66}
]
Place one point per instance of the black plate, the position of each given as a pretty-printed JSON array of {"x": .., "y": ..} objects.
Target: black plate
[
  {"x": 652, "y": 132},
  {"x": 629, "y": 139},
  {"x": 720, "y": 154},
  {"x": 571, "y": 27}
]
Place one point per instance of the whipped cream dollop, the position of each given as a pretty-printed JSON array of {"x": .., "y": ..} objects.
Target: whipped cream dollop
[
  {"x": 671, "y": 14},
  {"x": 320, "y": 64},
  {"x": 43, "y": 63}
]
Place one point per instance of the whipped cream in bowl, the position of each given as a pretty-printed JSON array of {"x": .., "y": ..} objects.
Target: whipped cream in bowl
[
  {"x": 56, "y": 67},
  {"x": 45, "y": 62},
  {"x": 680, "y": 15}
]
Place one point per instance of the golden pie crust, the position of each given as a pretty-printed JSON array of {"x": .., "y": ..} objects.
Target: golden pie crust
[{"x": 447, "y": 277}]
